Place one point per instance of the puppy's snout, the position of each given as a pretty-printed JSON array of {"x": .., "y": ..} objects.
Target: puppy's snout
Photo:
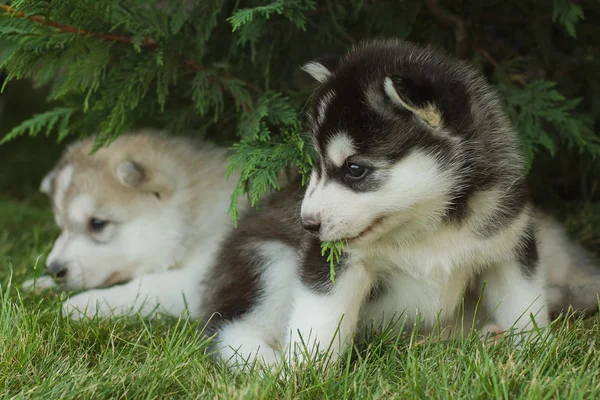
[
  {"x": 312, "y": 223},
  {"x": 56, "y": 270}
]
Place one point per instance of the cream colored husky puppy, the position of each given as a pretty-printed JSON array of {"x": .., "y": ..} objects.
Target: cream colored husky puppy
[{"x": 147, "y": 213}]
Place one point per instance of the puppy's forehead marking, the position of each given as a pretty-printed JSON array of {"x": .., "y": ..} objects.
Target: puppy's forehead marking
[
  {"x": 340, "y": 147},
  {"x": 63, "y": 181},
  {"x": 81, "y": 207}
]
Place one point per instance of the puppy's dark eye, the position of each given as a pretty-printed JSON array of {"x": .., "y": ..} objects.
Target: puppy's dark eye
[
  {"x": 97, "y": 225},
  {"x": 355, "y": 171}
]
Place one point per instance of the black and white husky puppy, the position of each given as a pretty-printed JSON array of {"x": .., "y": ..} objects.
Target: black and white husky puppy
[{"x": 421, "y": 173}]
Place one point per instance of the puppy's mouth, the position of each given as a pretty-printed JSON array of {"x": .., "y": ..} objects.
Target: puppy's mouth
[
  {"x": 377, "y": 222},
  {"x": 113, "y": 279},
  {"x": 59, "y": 279}
]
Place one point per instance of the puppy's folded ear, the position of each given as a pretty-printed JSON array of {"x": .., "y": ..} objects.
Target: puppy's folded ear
[
  {"x": 416, "y": 97},
  {"x": 133, "y": 174},
  {"x": 322, "y": 68},
  {"x": 48, "y": 182},
  {"x": 130, "y": 173}
]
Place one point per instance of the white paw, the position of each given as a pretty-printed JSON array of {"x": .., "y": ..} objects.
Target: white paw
[
  {"x": 298, "y": 353},
  {"x": 306, "y": 350},
  {"x": 491, "y": 333},
  {"x": 39, "y": 284},
  {"x": 86, "y": 304},
  {"x": 264, "y": 362}
]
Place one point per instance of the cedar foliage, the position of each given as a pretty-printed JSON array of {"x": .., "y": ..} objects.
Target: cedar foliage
[{"x": 228, "y": 70}]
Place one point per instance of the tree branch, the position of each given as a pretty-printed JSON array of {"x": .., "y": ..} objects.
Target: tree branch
[
  {"x": 147, "y": 43},
  {"x": 193, "y": 66},
  {"x": 453, "y": 22},
  {"x": 488, "y": 57},
  {"x": 316, "y": 11}
]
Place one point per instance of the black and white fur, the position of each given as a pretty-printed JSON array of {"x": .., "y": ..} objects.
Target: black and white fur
[{"x": 421, "y": 173}]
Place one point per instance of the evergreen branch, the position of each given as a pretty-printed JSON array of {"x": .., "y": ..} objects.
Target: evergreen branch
[
  {"x": 260, "y": 159},
  {"x": 453, "y": 22},
  {"x": 545, "y": 118},
  {"x": 334, "y": 253},
  {"x": 568, "y": 14},
  {"x": 44, "y": 122},
  {"x": 147, "y": 42},
  {"x": 193, "y": 66}
]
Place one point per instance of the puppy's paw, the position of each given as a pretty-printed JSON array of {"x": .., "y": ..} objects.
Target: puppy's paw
[
  {"x": 86, "y": 304},
  {"x": 38, "y": 285},
  {"x": 491, "y": 333}
]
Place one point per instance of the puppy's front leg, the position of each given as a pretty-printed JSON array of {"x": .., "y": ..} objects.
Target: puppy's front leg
[
  {"x": 325, "y": 315},
  {"x": 169, "y": 292},
  {"x": 513, "y": 292}
]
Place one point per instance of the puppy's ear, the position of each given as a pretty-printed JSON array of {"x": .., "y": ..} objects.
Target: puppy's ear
[
  {"x": 322, "y": 68},
  {"x": 48, "y": 182},
  {"x": 415, "y": 97},
  {"x": 133, "y": 174},
  {"x": 130, "y": 173}
]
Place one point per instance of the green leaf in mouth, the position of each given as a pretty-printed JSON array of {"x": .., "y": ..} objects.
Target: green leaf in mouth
[{"x": 334, "y": 250}]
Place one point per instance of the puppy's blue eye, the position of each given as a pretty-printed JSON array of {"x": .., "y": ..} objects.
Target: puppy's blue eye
[
  {"x": 356, "y": 171},
  {"x": 97, "y": 225}
]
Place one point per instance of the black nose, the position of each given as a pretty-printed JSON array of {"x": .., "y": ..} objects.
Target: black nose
[
  {"x": 312, "y": 228},
  {"x": 312, "y": 224},
  {"x": 57, "y": 270}
]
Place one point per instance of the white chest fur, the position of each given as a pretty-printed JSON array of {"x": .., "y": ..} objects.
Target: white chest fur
[{"x": 428, "y": 277}]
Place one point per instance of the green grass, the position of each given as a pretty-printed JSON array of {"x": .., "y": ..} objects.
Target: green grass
[{"x": 43, "y": 355}]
